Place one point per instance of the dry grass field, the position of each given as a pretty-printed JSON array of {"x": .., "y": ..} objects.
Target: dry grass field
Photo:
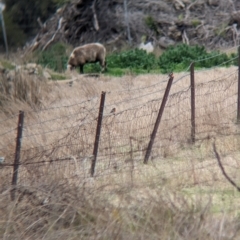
[{"x": 180, "y": 194}]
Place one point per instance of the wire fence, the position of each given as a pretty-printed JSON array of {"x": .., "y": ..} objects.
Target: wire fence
[{"x": 60, "y": 141}]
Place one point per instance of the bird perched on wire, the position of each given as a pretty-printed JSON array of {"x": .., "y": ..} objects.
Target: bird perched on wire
[{"x": 113, "y": 110}]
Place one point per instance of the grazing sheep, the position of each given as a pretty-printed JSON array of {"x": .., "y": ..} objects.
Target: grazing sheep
[{"x": 88, "y": 53}]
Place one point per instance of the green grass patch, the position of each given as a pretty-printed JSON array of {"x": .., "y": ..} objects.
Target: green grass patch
[
  {"x": 91, "y": 68},
  {"x": 7, "y": 65},
  {"x": 118, "y": 72},
  {"x": 195, "y": 22},
  {"x": 57, "y": 76},
  {"x": 222, "y": 198}
]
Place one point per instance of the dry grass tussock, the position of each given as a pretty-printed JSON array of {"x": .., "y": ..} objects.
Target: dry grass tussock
[
  {"x": 19, "y": 89},
  {"x": 180, "y": 194},
  {"x": 62, "y": 211}
]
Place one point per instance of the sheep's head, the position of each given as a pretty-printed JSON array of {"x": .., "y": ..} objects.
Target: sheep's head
[
  {"x": 69, "y": 67},
  {"x": 71, "y": 62}
]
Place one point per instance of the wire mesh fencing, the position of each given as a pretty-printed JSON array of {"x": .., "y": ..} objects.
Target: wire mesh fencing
[{"x": 58, "y": 142}]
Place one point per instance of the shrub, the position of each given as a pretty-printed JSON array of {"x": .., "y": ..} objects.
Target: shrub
[
  {"x": 55, "y": 57},
  {"x": 137, "y": 58},
  {"x": 178, "y": 58},
  {"x": 24, "y": 88},
  {"x": 92, "y": 68},
  {"x": 234, "y": 57}
]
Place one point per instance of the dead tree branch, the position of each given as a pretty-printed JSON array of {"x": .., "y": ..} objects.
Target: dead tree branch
[
  {"x": 95, "y": 20},
  {"x": 53, "y": 37},
  {"x": 222, "y": 168},
  {"x": 40, "y": 22},
  {"x": 185, "y": 37},
  {"x": 118, "y": 22},
  {"x": 187, "y": 14}
]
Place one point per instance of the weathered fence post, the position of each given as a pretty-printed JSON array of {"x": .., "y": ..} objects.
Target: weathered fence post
[
  {"x": 238, "y": 100},
  {"x": 98, "y": 132},
  {"x": 193, "y": 127},
  {"x": 17, "y": 153},
  {"x": 160, "y": 113}
]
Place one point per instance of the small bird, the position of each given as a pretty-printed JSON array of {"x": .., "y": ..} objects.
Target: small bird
[{"x": 113, "y": 110}]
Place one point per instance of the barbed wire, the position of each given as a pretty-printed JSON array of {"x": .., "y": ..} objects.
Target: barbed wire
[
  {"x": 88, "y": 111},
  {"x": 7, "y": 132},
  {"x": 7, "y": 119},
  {"x": 62, "y": 106}
]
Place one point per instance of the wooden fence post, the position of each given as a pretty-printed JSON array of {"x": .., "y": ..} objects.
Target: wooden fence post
[
  {"x": 98, "y": 132},
  {"x": 238, "y": 100},
  {"x": 17, "y": 153},
  {"x": 158, "y": 120},
  {"x": 193, "y": 125}
]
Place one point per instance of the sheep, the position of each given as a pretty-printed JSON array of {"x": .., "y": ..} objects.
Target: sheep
[{"x": 88, "y": 53}]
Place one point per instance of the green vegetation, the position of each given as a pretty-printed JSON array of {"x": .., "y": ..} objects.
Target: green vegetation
[
  {"x": 57, "y": 77},
  {"x": 92, "y": 68},
  {"x": 7, "y": 65},
  {"x": 180, "y": 17},
  {"x": 118, "y": 72},
  {"x": 175, "y": 58},
  {"x": 55, "y": 57},
  {"x": 178, "y": 58},
  {"x": 220, "y": 31},
  {"x": 137, "y": 61},
  {"x": 196, "y": 22},
  {"x": 132, "y": 59}
]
